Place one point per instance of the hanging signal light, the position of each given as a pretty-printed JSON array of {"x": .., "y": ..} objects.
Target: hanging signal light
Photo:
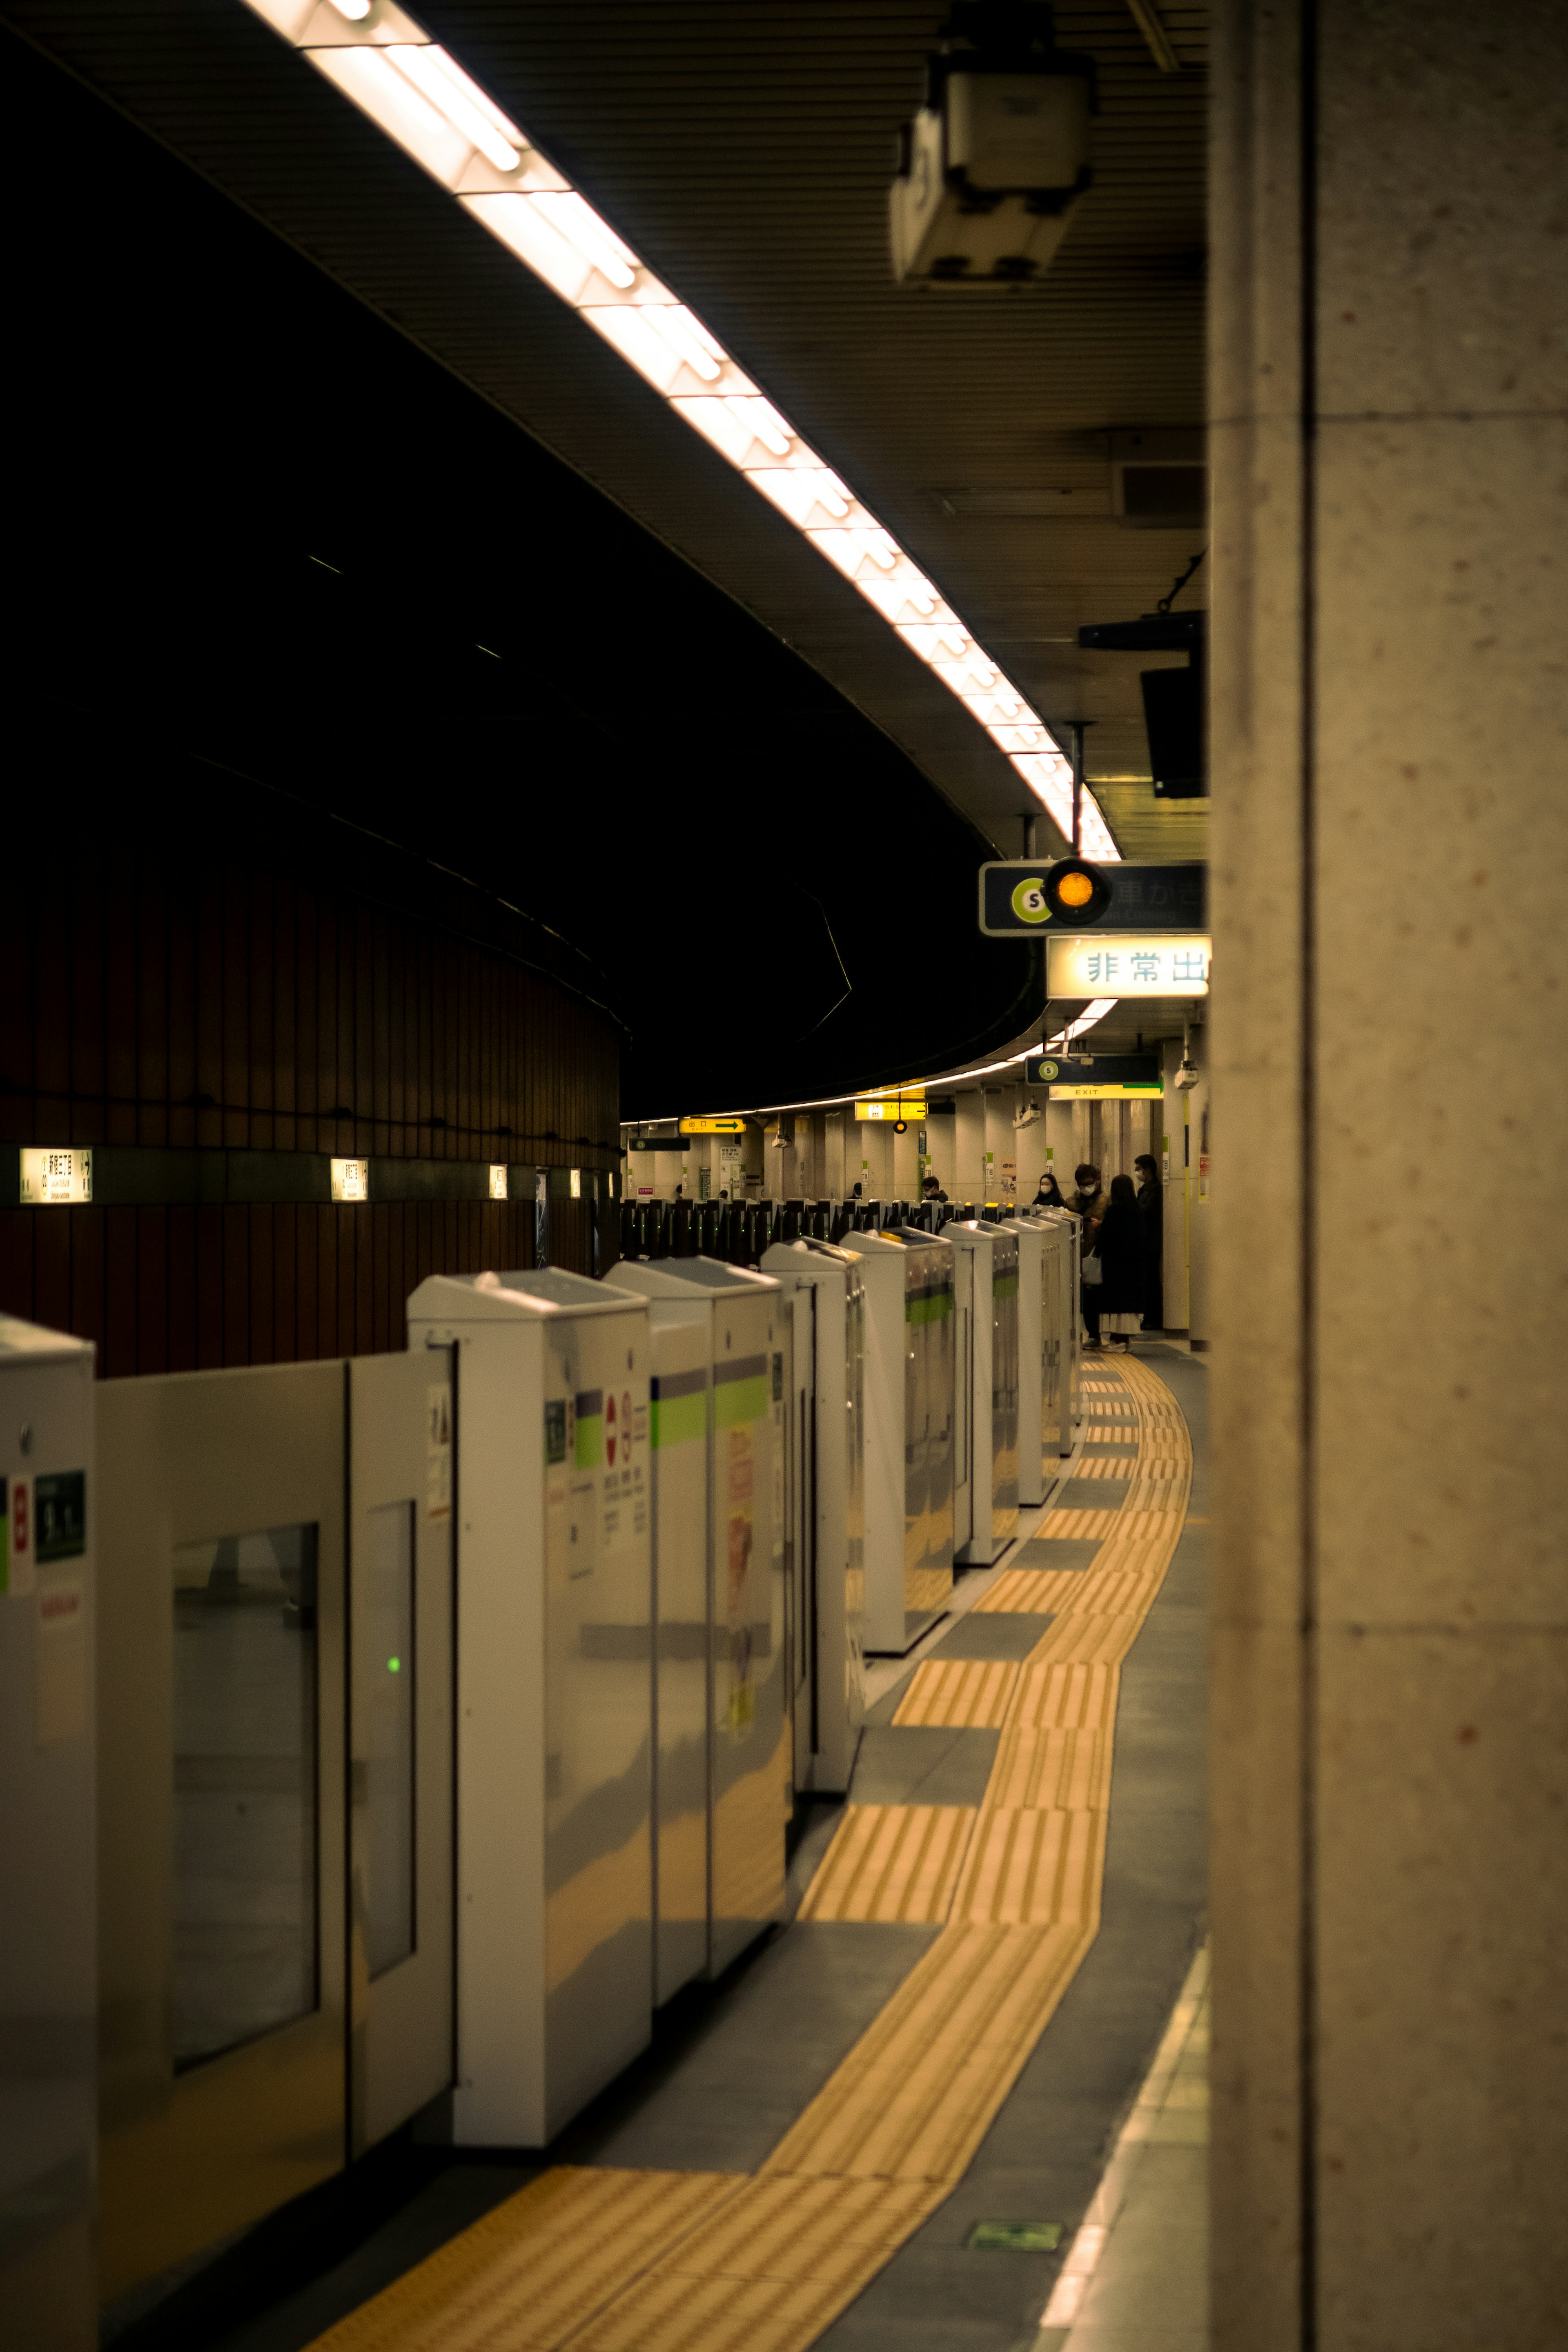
[{"x": 1075, "y": 891}]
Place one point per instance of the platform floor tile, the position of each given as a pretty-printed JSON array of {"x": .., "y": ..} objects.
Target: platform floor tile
[
  {"x": 531, "y": 2273},
  {"x": 971, "y": 1692},
  {"x": 891, "y": 1863}
]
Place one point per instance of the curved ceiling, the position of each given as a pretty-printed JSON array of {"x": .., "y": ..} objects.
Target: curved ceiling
[
  {"x": 746, "y": 152},
  {"x": 776, "y": 844}
]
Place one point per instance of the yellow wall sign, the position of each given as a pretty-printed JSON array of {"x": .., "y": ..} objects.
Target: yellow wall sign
[
  {"x": 1106, "y": 1094},
  {"x": 712, "y": 1127},
  {"x": 895, "y": 1106}
]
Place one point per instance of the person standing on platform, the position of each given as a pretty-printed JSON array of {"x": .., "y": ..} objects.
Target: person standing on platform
[
  {"x": 1117, "y": 1247},
  {"x": 1089, "y": 1202},
  {"x": 1151, "y": 1209}
]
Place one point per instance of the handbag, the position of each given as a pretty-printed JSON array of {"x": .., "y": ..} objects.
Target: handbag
[{"x": 1093, "y": 1271}]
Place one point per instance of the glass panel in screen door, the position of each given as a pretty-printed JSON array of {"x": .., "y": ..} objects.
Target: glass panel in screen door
[
  {"x": 383, "y": 1736},
  {"x": 245, "y": 1945}
]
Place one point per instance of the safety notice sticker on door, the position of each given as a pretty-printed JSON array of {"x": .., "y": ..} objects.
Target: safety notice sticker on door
[
  {"x": 17, "y": 1575},
  {"x": 438, "y": 1453}
]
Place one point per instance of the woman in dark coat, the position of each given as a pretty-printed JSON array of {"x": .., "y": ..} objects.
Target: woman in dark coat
[{"x": 1119, "y": 1245}]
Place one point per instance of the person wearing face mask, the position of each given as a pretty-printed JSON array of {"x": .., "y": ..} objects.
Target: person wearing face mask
[
  {"x": 1050, "y": 1195},
  {"x": 1088, "y": 1202}
]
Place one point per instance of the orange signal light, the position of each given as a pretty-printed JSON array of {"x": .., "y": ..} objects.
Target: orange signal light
[{"x": 1074, "y": 890}]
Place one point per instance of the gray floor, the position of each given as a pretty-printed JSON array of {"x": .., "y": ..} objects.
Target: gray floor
[
  {"x": 736, "y": 2063},
  {"x": 1044, "y": 2156}
]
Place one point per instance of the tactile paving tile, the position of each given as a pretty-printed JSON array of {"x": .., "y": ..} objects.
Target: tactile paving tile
[
  {"x": 1109, "y": 1437},
  {"x": 968, "y": 1693},
  {"x": 1029, "y": 1592},
  {"x": 891, "y": 1863},
  {"x": 1037, "y": 1769},
  {"x": 1088, "y": 1640},
  {"x": 1065, "y": 1695},
  {"x": 1114, "y": 1411},
  {"x": 1102, "y": 1466},
  {"x": 915, "y": 2095},
  {"x": 528, "y": 2274},
  {"x": 1029, "y": 1867},
  {"x": 1070, "y": 1526},
  {"x": 792, "y": 2250}
]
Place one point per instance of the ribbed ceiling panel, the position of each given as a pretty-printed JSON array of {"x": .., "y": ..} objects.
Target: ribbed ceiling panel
[{"x": 746, "y": 151}]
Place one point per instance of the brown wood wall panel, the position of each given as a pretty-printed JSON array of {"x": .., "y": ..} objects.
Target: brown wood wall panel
[
  {"x": 180, "y": 1289},
  {"x": 261, "y": 1002}
]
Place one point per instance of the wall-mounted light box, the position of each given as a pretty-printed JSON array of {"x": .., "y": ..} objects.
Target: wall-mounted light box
[
  {"x": 908, "y": 1107},
  {"x": 55, "y": 1179},
  {"x": 1123, "y": 963},
  {"x": 351, "y": 1180},
  {"x": 498, "y": 1180}
]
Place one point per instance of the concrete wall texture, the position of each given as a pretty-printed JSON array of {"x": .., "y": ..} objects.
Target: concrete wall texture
[{"x": 1390, "y": 1744}]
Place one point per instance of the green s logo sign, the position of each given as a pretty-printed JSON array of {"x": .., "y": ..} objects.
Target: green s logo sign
[{"x": 1029, "y": 901}]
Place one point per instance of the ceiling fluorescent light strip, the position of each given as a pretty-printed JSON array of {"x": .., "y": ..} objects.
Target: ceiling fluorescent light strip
[
  {"x": 1087, "y": 1019},
  {"x": 421, "y": 98}
]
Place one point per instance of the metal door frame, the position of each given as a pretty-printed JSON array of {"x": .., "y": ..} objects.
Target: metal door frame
[
  {"x": 402, "y": 2038},
  {"x": 188, "y": 2159}
]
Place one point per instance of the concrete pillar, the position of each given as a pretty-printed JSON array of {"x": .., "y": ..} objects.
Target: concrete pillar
[
  {"x": 1085, "y": 1142},
  {"x": 876, "y": 1156},
  {"x": 942, "y": 1151},
  {"x": 906, "y": 1168},
  {"x": 1002, "y": 1164},
  {"x": 1060, "y": 1154},
  {"x": 728, "y": 1163},
  {"x": 1390, "y": 1683},
  {"x": 969, "y": 1175},
  {"x": 833, "y": 1179}
]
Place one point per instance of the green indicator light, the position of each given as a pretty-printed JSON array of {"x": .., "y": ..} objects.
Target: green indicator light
[{"x": 394, "y": 1666}]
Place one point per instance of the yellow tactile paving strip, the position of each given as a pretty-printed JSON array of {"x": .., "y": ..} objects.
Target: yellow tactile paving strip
[
  {"x": 1103, "y": 1465},
  {"x": 1076, "y": 1526},
  {"x": 967, "y": 1694},
  {"x": 528, "y": 2274},
  {"x": 600, "y": 2261},
  {"x": 775, "y": 2265},
  {"x": 891, "y": 1862}
]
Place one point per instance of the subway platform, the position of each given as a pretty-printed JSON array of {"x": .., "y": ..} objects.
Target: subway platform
[{"x": 958, "y": 2101}]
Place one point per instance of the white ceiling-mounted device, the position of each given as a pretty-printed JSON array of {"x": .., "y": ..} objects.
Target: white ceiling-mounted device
[
  {"x": 1186, "y": 1076},
  {"x": 992, "y": 165}
]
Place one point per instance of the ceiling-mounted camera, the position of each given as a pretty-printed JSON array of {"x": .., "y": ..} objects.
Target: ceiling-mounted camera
[{"x": 992, "y": 165}]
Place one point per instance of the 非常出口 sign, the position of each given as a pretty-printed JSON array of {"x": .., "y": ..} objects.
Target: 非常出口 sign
[{"x": 1132, "y": 964}]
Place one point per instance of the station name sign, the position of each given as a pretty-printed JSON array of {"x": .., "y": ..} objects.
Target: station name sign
[
  {"x": 1098, "y": 1077},
  {"x": 1142, "y": 899}
]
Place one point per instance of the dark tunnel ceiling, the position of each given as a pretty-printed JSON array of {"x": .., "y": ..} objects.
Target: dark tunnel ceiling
[
  {"x": 261, "y": 529},
  {"x": 675, "y": 118}
]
